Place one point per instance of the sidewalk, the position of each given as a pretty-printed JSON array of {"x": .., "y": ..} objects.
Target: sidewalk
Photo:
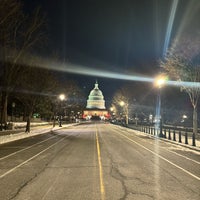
[
  {"x": 34, "y": 131},
  {"x": 189, "y": 145}
]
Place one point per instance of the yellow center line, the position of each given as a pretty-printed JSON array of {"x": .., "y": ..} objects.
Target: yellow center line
[{"x": 100, "y": 168}]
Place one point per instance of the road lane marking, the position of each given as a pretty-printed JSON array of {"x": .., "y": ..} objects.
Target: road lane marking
[
  {"x": 26, "y": 161},
  {"x": 100, "y": 168},
  {"x": 14, "y": 153},
  {"x": 184, "y": 170},
  {"x": 26, "y": 148},
  {"x": 183, "y": 156},
  {"x": 149, "y": 136}
]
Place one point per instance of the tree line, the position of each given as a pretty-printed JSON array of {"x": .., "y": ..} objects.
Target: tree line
[
  {"x": 181, "y": 64},
  {"x": 21, "y": 77}
]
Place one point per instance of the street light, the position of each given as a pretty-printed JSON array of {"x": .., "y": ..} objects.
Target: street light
[
  {"x": 112, "y": 113},
  {"x": 61, "y": 97},
  {"x": 57, "y": 109},
  {"x": 125, "y": 105},
  {"x": 159, "y": 83},
  {"x": 184, "y": 117},
  {"x": 13, "y": 107}
]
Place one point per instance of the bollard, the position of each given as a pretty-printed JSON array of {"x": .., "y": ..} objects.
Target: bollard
[
  {"x": 174, "y": 135},
  {"x": 179, "y": 135},
  {"x": 193, "y": 139},
  {"x": 169, "y": 135},
  {"x": 161, "y": 133},
  {"x": 165, "y": 134},
  {"x": 186, "y": 138}
]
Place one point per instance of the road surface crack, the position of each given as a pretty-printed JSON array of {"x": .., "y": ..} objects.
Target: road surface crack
[
  {"x": 115, "y": 173},
  {"x": 45, "y": 166}
]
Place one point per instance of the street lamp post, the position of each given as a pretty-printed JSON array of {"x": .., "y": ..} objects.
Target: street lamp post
[
  {"x": 61, "y": 97},
  {"x": 158, "y": 112},
  {"x": 112, "y": 111},
  {"x": 159, "y": 82},
  {"x": 125, "y": 105},
  {"x": 13, "y": 107}
]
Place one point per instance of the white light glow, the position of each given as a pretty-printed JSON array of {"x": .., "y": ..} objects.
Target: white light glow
[
  {"x": 61, "y": 97},
  {"x": 91, "y": 71}
]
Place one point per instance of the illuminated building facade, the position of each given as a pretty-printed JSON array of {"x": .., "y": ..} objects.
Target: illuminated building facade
[{"x": 95, "y": 108}]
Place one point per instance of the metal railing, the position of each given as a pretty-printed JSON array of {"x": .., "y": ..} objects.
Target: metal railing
[{"x": 170, "y": 133}]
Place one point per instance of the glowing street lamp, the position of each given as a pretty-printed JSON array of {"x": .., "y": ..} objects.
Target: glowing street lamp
[
  {"x": 125, "y": 105},
  {"x": 159, "y": 83},
  {"x": 122, "y": 103},
  {"x": 184, "y": 116},
  {"x": 61, "y": 97},
  {"x": 111, "y": 109}
]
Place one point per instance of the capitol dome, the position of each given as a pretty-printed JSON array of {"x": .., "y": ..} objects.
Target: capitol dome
[{"x": 96, "y": 99}]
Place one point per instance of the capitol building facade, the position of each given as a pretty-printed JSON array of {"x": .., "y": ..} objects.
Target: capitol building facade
[{"x": 95, "y": 108}]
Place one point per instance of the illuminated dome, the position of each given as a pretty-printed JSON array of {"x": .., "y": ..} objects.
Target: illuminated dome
[{"x": 96, "y": 99}]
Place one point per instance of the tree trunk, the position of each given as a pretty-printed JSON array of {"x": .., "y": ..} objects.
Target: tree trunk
[
  {"x": 54, "y": 120},
  {"x": 4, "y": 109},
  {"x": 127, "y": 115},
  {"x": 28, "y": 124},
  {"x": 195, "y": 126}
]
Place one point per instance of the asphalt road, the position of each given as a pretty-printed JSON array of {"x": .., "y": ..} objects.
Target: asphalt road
[{"x": 98, "y": 161}]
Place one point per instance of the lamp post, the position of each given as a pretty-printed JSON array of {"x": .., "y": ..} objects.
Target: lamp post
[
  {"x": 125, "y": 105},
  {"x": 184, "y": 117},
  {"x": 57, "y": 109},
  {"x": 159, "y": 82},
  {"x": 13, "y": 107},
  {"x": 111, "y": 112},
  {"x": 61, "y": 97}
]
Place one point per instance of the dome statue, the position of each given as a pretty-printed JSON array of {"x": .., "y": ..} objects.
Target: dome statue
[{"x": 96, "y": 99}]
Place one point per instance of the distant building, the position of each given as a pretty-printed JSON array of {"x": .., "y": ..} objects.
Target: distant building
[{"x": 95, "y": 108}]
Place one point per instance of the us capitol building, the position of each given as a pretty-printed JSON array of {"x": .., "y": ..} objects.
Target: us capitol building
[{"x": 95, "y": 108}]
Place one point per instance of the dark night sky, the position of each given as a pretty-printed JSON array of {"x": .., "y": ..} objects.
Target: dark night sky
[{"x": 122, "y": 36}]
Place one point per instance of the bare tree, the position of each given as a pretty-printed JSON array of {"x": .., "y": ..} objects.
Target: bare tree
[
  {"x": 36, "y": 89},
  {"x": 122, "y": 100},
  {"x": 182, "y": 64},
  {"x": 18, "y": 35}
]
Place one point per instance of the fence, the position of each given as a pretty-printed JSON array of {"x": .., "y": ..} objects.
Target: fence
[{"x": 181, "y": 136}]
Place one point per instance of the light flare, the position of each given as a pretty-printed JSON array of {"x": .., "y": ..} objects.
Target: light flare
[
  {"x": 170, "y": 25},
  {"x": 50, "y": 64}
]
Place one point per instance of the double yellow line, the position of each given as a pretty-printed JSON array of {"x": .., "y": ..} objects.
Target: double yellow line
[{"x": 102, "y": 189}]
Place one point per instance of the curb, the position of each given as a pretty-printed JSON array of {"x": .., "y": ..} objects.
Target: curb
[
  {"x": 165, "y": 140},
  {"x": 21, "y": 135}
]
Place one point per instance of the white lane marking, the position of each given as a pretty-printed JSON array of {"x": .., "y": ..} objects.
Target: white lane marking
[
  {"x": 25, "y": 148},
  {"x": 26, "y": 161},
  {"x": 183, "y": 156},
  {"x": 165, "y": 148},
  {"x": 184, "y": 170}
]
